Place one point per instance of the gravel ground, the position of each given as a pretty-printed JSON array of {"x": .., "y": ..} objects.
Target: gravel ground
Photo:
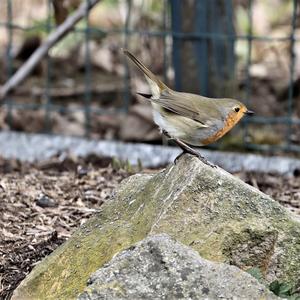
[{"x": 42, "y": 204}]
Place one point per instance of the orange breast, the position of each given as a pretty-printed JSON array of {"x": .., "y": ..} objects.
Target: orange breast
[{"x": 231, "y": 120}]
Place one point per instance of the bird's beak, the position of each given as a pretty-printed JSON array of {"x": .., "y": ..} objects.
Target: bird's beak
[{"x": 249, "y": 112}]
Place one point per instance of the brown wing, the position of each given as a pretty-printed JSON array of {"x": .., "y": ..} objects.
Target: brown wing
[{"x": 195, "y": 107}]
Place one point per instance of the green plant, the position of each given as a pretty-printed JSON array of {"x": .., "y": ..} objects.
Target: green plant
[
  {"x": 284, "y": 290},
  {"x": 257, "y": 274},
  {"x": 125, "y": 165},
  {"x": 280, "y": 289}
]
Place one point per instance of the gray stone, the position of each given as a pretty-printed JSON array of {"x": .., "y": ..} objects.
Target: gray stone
[
  {"x": 208, "y": 209},
  {"x": 161, "y": 268}
]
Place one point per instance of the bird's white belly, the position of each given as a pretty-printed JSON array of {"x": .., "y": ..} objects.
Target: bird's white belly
[
  {"x": 184, "y": 129},
  {"x": 165, "y": 125}
]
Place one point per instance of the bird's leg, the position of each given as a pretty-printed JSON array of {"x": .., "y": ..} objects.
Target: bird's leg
[
  {"x": 169, "y": 137},
  {"x": 187, "y": 149},
  {"x": 166, "y": 133}
]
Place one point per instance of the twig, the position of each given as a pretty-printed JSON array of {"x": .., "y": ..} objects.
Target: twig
[
  {"x": 41, "y": 51},
  {"x": 67, "y": 92}
]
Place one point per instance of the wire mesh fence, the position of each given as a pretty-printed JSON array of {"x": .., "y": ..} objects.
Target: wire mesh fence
[{"x": 198, "y": 43}]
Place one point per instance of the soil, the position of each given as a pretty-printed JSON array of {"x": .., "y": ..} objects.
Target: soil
[{"x": 43, "y": 203}]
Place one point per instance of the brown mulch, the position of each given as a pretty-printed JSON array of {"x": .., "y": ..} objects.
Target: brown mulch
[
  {"x": 43, "y": 203},
  {"x": 284, "y": 189}
]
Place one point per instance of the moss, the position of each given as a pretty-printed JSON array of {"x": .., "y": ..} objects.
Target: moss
[
  {"x": 216, "y": 214},
  {"x": 65, "y": 272}
]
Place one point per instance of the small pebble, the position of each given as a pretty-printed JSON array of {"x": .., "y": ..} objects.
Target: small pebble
[
  {"x": 81, "y": 171},
  {"x": 45, "y": 201}
]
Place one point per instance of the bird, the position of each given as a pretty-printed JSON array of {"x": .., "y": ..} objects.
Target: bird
[{"x": 189, "y": 119}]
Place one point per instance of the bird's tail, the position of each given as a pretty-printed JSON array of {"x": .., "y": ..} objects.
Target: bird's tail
[{"x": 156, "y": 85}]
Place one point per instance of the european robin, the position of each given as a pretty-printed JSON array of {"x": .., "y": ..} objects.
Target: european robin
[{"x": 189, "y": 119}]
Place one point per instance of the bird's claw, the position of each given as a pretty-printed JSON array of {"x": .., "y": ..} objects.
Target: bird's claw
[
  {"x": 195, "y": 153},
  {"x": 204, "y": 160},
  {"x": 178, "y": 156}
]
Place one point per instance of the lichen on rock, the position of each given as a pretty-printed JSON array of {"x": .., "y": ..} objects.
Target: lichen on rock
[
  {"x": 218, "y": 215},
  {"x": 161, "y": 268}
]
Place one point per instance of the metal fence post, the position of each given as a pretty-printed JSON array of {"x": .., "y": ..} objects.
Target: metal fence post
[{"x": 203, "y": 58}]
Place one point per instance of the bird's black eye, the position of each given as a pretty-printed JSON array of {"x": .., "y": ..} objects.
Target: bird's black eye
[{"x": 237, "y": 109}]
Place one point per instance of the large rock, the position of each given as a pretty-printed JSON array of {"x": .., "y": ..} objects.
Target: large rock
[
  {"x": 161, "y": 268},
  {"x": 218, "y": 215}
]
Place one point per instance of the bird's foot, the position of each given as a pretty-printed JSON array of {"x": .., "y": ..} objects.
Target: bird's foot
[
  {"x": 197, "y": 154},
  {"x": 187, "y": 149},
  {"x": 204, "y": 160},
  {"x": 178, "y": 156}
]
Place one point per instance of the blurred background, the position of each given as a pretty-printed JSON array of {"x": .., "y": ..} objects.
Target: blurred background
[
  {"x": 243, "y": 49},
  {"x": 84, "y": 87}
]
